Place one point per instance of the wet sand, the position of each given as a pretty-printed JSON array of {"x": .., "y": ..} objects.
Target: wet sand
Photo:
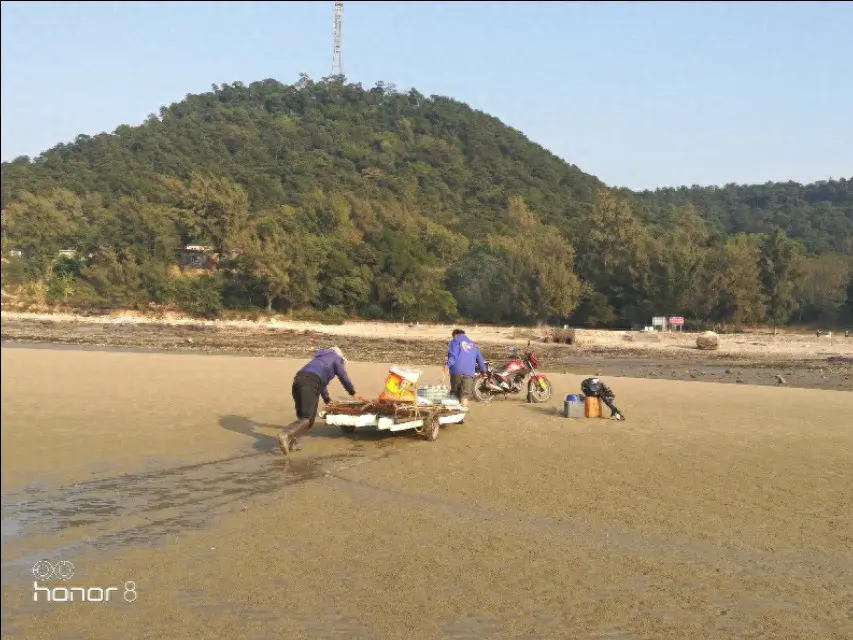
[{"x": 714, "y": 511}]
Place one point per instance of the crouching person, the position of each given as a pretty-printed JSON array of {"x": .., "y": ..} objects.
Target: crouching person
[{"x": 309, "y": 384}]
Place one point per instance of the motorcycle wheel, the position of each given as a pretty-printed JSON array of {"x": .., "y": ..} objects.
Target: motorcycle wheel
[
  {"x": 537, "y": 394},
  {"x": 481, "y": 391}
]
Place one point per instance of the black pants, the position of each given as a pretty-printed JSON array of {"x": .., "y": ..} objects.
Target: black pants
[{"x": 306, "y": 396}]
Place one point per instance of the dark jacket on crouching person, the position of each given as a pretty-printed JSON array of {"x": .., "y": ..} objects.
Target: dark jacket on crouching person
[
  {"x": 312, "y": 381},
  {"x": 309, "y": 384}
]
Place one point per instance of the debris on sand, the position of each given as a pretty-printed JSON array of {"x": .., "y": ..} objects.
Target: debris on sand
[
  {"x": 623, "y": 359},
  {"x": 708, "y": 341},
  {"x": 780, "y": 379},
  {"x": 646, "y": 337}
]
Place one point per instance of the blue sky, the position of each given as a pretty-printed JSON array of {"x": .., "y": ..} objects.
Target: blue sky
[{"x": 640, "y": 94}]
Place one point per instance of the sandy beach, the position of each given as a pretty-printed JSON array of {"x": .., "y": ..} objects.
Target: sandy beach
[{"x": 715, "y": 510}]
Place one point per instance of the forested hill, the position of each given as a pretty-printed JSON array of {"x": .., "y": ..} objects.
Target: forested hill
[
  {"x": 819, "y": 215},
  {"x": 329, "y": 196}
]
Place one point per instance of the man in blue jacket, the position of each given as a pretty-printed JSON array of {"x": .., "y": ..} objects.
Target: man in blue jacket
[
  {"x": 311, "y": 382},
  {"x": 463, "y": 361}
]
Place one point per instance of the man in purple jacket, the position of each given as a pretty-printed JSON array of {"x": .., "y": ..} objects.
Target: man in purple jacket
[
  {"x": 463, "y": 361},
  {"x": 311, "y": 382}
]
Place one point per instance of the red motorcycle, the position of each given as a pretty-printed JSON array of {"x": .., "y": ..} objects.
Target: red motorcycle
[{"x": 512, "y": 378}]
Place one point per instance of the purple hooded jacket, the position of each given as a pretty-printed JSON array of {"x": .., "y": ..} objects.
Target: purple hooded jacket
[
  {"x": 463, "y": 357},
  {"x": 326, "y": 365}
]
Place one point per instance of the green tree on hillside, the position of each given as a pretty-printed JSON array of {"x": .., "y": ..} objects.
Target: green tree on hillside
[
  {"x": 822, "y": 289},
  {"x": 848, "y": 307},
  {"x": 217, "y": 208},
  {"x": 678, "y": 258},
  {"x": 780, "y": 267},
  {"x": 39, "y": 226},
  {"x": 536, "y": 267},
  {"x": 729, "y": 287},
  {"x": 613, "y": 248}
]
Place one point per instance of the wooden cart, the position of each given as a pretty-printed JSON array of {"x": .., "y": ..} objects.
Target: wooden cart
[{"x": 425, "y": 419}]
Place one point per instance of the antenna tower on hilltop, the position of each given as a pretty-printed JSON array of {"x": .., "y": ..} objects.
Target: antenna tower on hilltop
[{"x": 337, "y": 67}]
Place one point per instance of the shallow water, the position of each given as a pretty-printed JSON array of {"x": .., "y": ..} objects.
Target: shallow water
[{"x": 144, "y": 508}]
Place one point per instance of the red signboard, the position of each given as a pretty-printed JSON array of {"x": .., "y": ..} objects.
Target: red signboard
[{"x": 676, "y": 321}]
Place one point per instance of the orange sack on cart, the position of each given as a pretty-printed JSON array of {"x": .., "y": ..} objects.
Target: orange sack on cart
[{"x": 401, "y": 385}]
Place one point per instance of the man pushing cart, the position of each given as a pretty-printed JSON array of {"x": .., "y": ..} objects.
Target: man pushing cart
[
  {"x": 311, "y": 382},
  {"x": 398, "y": 408}
]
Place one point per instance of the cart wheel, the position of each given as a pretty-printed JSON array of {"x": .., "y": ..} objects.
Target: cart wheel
[
  {"x": 431, "y": 428},
  {"x": 348, "y": 428}
]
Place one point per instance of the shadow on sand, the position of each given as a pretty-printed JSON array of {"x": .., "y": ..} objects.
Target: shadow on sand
[
  {"x": 543, "y": 409},
  {"x": 247, "y": 427},
  {"x": 269, "y": 442}
]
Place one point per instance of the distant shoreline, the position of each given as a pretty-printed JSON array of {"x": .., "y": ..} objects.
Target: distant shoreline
[{"x": 803, "y": 361}]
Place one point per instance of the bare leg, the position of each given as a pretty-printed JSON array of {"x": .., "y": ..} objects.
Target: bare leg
[
  {"x": 287, "y": 439},
  {"x": 306, "y": 398},
  {"x": 465, "y": 390}
]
